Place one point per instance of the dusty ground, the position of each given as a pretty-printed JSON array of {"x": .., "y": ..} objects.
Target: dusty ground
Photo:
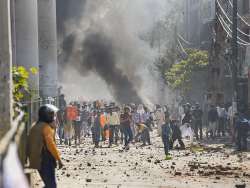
[{"x": 211, "y": 166}]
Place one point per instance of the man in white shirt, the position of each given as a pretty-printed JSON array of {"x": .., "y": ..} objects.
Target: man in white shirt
[
  {"x": 114, "y": 122},
  {"x": 160, "y": 119}
]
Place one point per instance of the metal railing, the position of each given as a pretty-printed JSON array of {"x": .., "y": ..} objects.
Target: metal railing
[
  {"x": 12, "y": 136},
  {"x": 18, "y": 132}
]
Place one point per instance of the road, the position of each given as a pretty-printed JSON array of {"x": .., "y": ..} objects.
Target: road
[{"x": 210, "y": 165}]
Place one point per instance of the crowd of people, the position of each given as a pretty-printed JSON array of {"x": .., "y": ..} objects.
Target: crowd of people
[
  {"x": 112, "y": 124},
  {"x": 127, "y": 123}
]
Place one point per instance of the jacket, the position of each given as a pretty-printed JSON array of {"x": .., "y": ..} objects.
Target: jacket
[{"x": 41, "y": 136}]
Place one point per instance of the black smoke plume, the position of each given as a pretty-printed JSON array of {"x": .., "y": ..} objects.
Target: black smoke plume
[{"x": 97, "y": 53}]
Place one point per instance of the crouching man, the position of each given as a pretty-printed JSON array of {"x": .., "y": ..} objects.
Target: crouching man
[
  {"x": 143, "y": 132},
  {"x": 42, "y": 151}
]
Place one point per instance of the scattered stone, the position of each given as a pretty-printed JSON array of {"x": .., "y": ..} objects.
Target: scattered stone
[
  {"x": 240, "y": 185},
  {"x": 177, "y": 173},
  {"x": 88, "y": 164},
  {"x": 88, "y": 180},
  {"x": 68, "y": 175},
  {"x": 246, "y": 174},
  {"x": 157, "y": 161}
]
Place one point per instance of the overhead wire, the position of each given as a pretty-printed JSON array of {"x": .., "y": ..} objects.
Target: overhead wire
[
  {"x": 244, "y": 21},
  {"x": 185, "y": 41},
  {"x": 231, "y": 30},
  {"x": 182, "y": 48},
  {"x": 229, "y": 34},
  {"x": 225, "y": 14}
]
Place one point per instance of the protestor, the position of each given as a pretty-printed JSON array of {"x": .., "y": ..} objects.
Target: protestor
[
  {"x": 187, "y": 119},
  {"x": 160, "y": 119},
  {"x": 176, "y": 134},
  {"x": 242, "y": 129},
  {"x": 166, "y": 138},
  {"x": 231, "y": 116},
  {"x": 114, "y": 122},
  {"x": 197, "y": 121},
  {"x": 221, "y": 120},
  {"x": 92, "y": 122},
  {"x": 86, "y": 121},
  {"x": 143, "y": 132},
  {"x": 97, "y": 129},
  {"x": 42, "y": 151},
  {"x": 70, "y": 116},
  {"x": 61, "y": 121},
  {"x": 149, "y": 119},
  {"x": 103, "y": 123},
  {"x": 120, "y": 127},
  {"x": 212, "y": 121},
  {"x": 166, "y": 111},
  {"x": 78, "y": 124},
  {"x": 139, "y": 117},
  {"x": 135, "y": 118},
  {"x": 60, "y": 116},
  {"x": 125, "y": 121}
]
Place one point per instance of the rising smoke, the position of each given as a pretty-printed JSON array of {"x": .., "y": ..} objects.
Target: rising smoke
[{"x": 101, "y": 39}]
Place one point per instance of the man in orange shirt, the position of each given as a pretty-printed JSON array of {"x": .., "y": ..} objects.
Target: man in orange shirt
[{"x": 42, "y": 151}]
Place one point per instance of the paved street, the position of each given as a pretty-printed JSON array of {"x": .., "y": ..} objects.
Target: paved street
[{"x": 211, "y": 166}]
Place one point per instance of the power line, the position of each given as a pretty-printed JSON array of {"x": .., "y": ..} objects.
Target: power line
[
  {"x": 225, "y": 14},
  {"x": 244, "y": 21},
  {"x": 182, "y": 49},
  {"x": 229, "y": 34},
  {"x": 229, "y": 29},
  {"x": 185, "y": 41}
]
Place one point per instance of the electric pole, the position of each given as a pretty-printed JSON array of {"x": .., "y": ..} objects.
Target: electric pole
[{"x": 235, "y": 55}]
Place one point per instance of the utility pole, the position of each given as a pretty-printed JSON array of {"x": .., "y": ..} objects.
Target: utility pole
[
  {"x": 5, "y": 68},
  {"x": 235, "y": 55}
]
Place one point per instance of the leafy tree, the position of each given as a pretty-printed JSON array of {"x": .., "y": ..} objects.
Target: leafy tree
[
  {"x": 179, "y": 75},
  {"x": 20, "y": 82}
]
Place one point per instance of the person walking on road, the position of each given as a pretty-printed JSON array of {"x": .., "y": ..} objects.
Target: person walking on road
[
  {"x": 166, "y": 138},
  {"x": 197, "y": 121},
  {"x": 97, "y": 129},
  {"x": 114, "y": 122},
  {"x": 126, "y": 120}
]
